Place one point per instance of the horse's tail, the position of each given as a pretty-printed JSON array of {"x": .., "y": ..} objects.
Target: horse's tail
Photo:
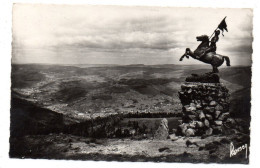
[{"x": 227, "y": 60}]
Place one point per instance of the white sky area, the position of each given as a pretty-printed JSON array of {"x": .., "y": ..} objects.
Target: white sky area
[{"x": 84, "y": 34}]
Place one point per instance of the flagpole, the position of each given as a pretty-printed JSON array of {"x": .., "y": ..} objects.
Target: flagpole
[
  {"x": 217, "y": 27},
  {"x": 213, "y": 32}
]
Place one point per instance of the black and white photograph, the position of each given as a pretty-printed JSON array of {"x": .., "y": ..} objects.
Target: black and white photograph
[{"x": 131, "y": 83}]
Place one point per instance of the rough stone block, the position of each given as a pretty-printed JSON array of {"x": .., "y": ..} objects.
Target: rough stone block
[
  {"x": 201, "y": 115},
  {"x": 223, "y": 116},
  {"x": 198, "y": 106},
  {"x": 192, "y": 105},
  {"x": 182, "y": 128},
  {"x": 213, "y": 103},
  {"x": 192, "y": 117},
  {"x": 192, "y": 124},
  {"x": 217, "y": 113},
  {"x": 209, "y": 131},
  {"x": 199, "y": 124},
  {"x": 190, "y": 132},
  {"x": 218, "y": 122},
  {"x": 188, "y": 108},
  {"x": 219, "y": 108},
  {"x": 209, "y": 117},
  {"x": 206, "y": 123},
  {"x": 210, "y": 98},
  {"x": 173, "y": 137},
  {"x": 163, "y": 131}
]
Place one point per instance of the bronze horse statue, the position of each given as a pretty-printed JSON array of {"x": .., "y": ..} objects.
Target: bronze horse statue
[{"x": 212, "y": 58}]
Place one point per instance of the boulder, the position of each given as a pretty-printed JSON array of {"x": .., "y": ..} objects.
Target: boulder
[
  {"x": 213, "y": 103},
  {"x": 173, "y": 137},
  {"x": 190, "y": 132},
  {"x": 181, "y": 93},
  {"x": 210, "y": 98},
  {"x": 223, "y": 116},
  {"x": 192, "y": 124},
  {"x": 186, "y": 108},
  {"x": 219, "y": 108},
  {"x": 189, "y": 109},
  {"x": 213, "y": 93},
  {"x": 209, "y": 131},
  {"x": 201, "y": 115},
  {"x": 218, "y": 122},
  {"x": 206, "y": 123},
  {"x": 192, "y": 117},
  {"x": 209, "y": 117},
  {"x": 190, "y": 91},
  {"x": 199, "y": 124},
  {"x": 192, "y": 108},
  {"x": 182, "y": 129},
  {"x": 163, "y": 131},
  {"x": 198, "y": 106},
  {"x": 192, "y": 105},
  {"x": 217, "y": 113}
]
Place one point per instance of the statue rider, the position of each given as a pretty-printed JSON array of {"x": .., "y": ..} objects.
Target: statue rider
[{"x": 212, "y": 47}]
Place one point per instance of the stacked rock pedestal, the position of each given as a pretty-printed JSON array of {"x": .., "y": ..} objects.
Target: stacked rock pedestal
[{"x": 205, "y": 108}]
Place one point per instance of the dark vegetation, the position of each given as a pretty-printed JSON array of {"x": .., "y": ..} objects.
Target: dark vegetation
[{"x": 29, "y": 119}]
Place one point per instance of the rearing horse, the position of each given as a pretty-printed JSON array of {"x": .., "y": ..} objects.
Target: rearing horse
[{"x": 212, "y": 58}]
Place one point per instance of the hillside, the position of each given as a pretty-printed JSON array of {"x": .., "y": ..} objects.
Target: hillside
[{"x": 80, "y": 91}]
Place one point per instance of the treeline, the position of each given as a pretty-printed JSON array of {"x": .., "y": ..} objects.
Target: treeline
[{"x": 152, "y": 115}]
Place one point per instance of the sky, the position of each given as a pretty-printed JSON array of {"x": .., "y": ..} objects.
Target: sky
[{"x": 85, "y": 34}]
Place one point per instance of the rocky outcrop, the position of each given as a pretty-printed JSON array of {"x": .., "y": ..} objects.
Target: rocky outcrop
[{"x": 205, "y": 108}]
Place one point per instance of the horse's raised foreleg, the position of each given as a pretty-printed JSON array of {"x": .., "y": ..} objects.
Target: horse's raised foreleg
[
  {"x": 187, "y": 52},
  {"x": 183, "y": 57}
]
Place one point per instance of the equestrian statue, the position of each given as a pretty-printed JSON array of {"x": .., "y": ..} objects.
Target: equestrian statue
[{"x": 206, "y": 51}]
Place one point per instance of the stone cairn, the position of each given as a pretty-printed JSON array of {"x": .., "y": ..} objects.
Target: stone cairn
[{"x": 205, "y": 107}]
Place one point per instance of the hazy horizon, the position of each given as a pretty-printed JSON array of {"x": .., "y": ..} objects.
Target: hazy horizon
[{"x": 203, "y": 65}]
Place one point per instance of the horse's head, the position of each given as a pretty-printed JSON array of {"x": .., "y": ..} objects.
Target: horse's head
[{"x": 202, "y": 38}]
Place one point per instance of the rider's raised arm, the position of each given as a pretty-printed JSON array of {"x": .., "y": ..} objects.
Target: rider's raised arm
[{"x": 215, "y": 38}]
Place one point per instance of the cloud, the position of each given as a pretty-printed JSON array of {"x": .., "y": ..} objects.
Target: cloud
[{"x": 134, "y": 31}]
